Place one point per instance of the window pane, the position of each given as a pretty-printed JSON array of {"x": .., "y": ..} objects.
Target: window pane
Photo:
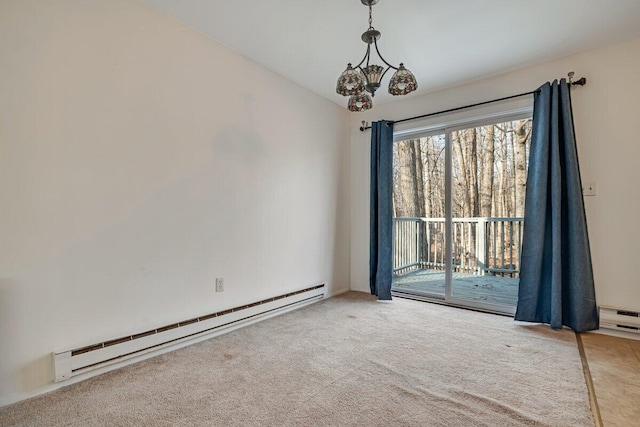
[
  {"x": 418, "y": 207},
  {"x": 489, "y": 175}
]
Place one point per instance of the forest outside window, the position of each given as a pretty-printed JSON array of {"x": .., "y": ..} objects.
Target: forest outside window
[{"x": 458, "y": 208}]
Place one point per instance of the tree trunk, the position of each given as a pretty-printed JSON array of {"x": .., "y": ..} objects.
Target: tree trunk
[
  {"x": 472, "y": 148},
  {"x": 486, "y": 180},
  {"x": 522, "y": 135},
  {"x": 406, "y": 196},
  {"x": 418, "y": 178},
  {"x": 461, "y": 196},
  {"x": 426, "y": 168}
]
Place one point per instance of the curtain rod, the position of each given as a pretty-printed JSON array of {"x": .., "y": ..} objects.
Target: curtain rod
[{"x": 580, "y": 82}]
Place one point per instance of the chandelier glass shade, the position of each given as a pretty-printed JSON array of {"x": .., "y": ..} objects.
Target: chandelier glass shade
[
  {"x": 365, "y": 78},
  {"x": 360, "y": 102},
  {"x": 350, "y": 82},
  {"x": 402, "y": 82}
]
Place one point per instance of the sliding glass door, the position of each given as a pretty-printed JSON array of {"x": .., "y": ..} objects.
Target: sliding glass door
[
  {"x": 458, "y": 208},
  {"x": 419, "y": 226}
]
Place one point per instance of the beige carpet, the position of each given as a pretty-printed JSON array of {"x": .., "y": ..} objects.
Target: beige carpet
[{"x": 347, "y": 361}]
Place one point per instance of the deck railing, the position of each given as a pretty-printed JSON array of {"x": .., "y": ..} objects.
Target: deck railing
[{"x": 480, "y": 245}]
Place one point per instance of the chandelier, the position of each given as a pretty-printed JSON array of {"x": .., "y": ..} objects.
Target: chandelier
[{"x": 364, "y": 79}]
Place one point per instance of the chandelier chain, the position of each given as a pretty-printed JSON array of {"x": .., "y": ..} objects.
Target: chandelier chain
[{"x": 370, "y": 19}]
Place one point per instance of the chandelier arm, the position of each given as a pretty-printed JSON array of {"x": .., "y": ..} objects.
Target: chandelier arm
[
  {"x": 366, "y": 56},
  {"x": 383, "y": 60}
]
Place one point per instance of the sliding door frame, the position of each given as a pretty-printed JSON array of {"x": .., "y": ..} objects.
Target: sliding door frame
[{"x": 447, "y": 129}]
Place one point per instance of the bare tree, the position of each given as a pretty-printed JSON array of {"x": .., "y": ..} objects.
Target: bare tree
[
  {"x": 409, "y": 191},
  {"x": 486, "y": 179},
  {"x": 488, "y": 176},
  {"x": 522, "y": 136},
  {"x": 418, "y": 177}
]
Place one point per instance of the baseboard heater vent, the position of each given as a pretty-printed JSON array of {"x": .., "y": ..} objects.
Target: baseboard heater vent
[
  {"x": 84, "y": 359},
  {"x": 620, "y": 319}
]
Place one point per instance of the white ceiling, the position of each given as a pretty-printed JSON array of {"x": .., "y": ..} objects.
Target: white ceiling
[{"x": 443, "y": 42}]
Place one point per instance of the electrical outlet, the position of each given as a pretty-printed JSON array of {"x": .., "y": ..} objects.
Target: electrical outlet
[
  {"x": 589, "y": 189},
  {"x": 219, "y": 284}
]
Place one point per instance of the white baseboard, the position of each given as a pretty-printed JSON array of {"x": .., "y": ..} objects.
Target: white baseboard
[{"x": 17, "y": 397}]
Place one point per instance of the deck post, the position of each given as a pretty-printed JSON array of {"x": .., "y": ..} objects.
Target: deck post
[
  {"x": 418, "y": 243},
  {"x": 481, "y": 245}
]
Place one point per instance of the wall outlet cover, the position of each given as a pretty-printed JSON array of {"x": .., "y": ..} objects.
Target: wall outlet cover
[{"x": 589, "y": 189}]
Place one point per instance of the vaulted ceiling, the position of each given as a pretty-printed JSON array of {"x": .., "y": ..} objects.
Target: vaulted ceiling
[{"x": 443, "y": 42}]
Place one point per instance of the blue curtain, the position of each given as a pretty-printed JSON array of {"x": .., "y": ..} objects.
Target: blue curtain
[
  {"x": 381, "y": 232},
  {"x": 556, "y": 276}
]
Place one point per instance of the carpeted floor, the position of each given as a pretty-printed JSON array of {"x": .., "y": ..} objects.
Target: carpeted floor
[{"x": 347, "y": 361}]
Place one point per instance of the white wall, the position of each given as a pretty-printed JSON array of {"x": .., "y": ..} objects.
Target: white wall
[
  {"x": 140, "y": 160},
  {"x": 606, "y": 113}
]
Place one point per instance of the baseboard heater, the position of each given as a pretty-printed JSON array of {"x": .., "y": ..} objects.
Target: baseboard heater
[
  {"x": 91, "y": 357},
  {"x": 620, "y": 319}
]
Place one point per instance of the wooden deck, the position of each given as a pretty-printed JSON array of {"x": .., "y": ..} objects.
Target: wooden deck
[{"x": 485, "y": 289}]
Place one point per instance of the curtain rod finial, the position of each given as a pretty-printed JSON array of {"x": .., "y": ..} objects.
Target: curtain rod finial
[
  {"x": 580, "y": 82},
  {"x": 364, "y": 126}
]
